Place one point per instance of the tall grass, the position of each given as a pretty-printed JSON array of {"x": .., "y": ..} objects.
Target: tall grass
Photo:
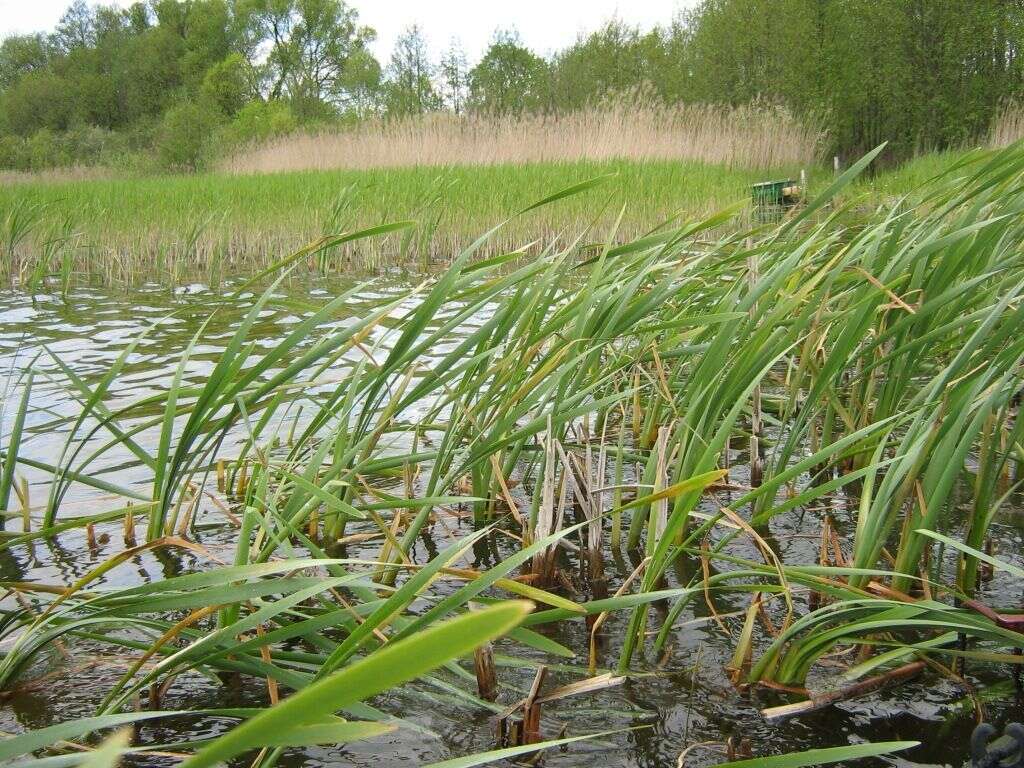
[
  {"x": 210, "y": 227},
  {"x": 630, "y": 128},
  {"x": 1007, "y": 126},
  {"x": 885, "y": 354},
  {"x": 56, "y": 175}
]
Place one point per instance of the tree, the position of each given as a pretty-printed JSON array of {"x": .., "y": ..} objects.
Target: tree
[
  {"x": 36, "y": 101},
  {"x": 206, "y": 30},
  {"x": 260, "y": 121},
  {"x": 509, "y": 78},
  {"x": 318, "y": 51},
  {"x": 21, "y": 54},
  {"x": 614, "y": 59},
  {"x": 328, "y": 52},
  {"x": 76, "y": 28},
  {"x": 95, "y": 100},
  {"x": 137, "y": 18},
  {"x": 453, "y": 76},
  {"x": 918, "y": 74},
  {"x": 148, "y": 73},
  {"x": 409, "y": 89}
]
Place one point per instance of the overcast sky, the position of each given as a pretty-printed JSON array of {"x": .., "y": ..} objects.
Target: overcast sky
[{"x": 545, "y": 25}]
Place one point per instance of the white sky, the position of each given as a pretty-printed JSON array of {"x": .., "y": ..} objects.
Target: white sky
[{"x": 545, "y": 25}]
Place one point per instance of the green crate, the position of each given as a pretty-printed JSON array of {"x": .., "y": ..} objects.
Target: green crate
[{"x": 770, "y": 192}]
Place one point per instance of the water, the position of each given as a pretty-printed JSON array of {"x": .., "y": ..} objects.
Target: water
[{"x": 681, "y": 699}]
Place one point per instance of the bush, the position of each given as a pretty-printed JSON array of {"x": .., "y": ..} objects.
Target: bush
[
  {"x": 226, "y": 85},
  {"x": 259, "y": 121},
  {"x": 184, "y": 138},
  {"x": 46, "y": 150},
  {"x": 38, "y": 100},
  {"x": 13, "y": 154},
  {"x": 92, "y": 145}
]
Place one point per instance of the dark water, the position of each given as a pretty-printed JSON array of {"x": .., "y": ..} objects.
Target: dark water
[{"x": 679, "y": 699}]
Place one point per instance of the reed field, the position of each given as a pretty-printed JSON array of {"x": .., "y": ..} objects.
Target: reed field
[
  {"x": 762, "y": 468},
  {"x": 1008, "y": 125},
  {"x": 455, "y": 176},
  {"x": 126, "y": 230},
  {"x": 629, "y": 128}
]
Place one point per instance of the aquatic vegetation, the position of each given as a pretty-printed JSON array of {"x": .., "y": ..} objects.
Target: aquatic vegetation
[
  {"x": 679, "y": 395},
  {"x": 214, "y": 226}
]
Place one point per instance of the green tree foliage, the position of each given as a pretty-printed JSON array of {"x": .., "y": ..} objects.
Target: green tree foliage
[
  {"x": 76, "y": 28},
  {"x": 327, "y": 52},
  {"x": 133, "y": 69},
  {"x": 453, "y": 78},
  {"x": 226, "y": 85},
  {"x": 259, "y": 121},
  {"x": 509, "y": 78},
  {"x": 921, "y": 74},
  {"x": 36, "y": 101},
  {"x": 21, "y": 54},
  {"x": 409, "y": 88},
  {"x": 318, "y": 52},
  {"x": 615, "y": 59}
]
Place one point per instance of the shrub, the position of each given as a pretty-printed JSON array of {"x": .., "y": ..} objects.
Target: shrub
[
  {"x": 226, "y": 85},
  {"x": 183, "y": 140},
  {"x": 259, "y": 121},
  {"x": 46, "y": 150},
  {"x": 38, "y": 100},
  {"x": 92, "y": 145},
  {"x": 13, "y": 154}
]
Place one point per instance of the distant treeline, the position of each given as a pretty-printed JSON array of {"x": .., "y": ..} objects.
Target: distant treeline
[{"x": 169, "y": 83}]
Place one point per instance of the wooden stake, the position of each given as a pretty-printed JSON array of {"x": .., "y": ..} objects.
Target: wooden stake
[
  {"x": 186, "y": 519},
  {"x": 595, "y": 513},
  {"x": 550, "y": 514},
  {"x": 659, "y": 510},
  {"x": 243, "y": 480},
  {"x": 272, "y": 692},
  {"x": 26, "y": 517}
]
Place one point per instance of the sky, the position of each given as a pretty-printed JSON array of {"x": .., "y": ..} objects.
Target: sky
[{"x": 544, "y": 25}]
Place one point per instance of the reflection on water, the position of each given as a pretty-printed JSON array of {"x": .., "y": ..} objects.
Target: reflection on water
[
  {"x": 681, "y": 699},
  {"x": 90, "y": 330}
]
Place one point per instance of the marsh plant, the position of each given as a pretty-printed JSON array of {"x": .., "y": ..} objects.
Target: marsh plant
[{"x": 676, "y": 395}]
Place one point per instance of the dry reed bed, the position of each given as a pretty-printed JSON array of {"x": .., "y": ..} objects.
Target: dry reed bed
[
  {"x": 56, "y": 175},
  {"x": 747, "y": 136},
  {"x": 1008, "y": 126}
]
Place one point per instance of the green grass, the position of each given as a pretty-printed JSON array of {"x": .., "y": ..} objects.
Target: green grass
[
  {"x": 176, "y": 223},
  {"x": 910, "y": 175},
  {"x": 212, "y": 226}
]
